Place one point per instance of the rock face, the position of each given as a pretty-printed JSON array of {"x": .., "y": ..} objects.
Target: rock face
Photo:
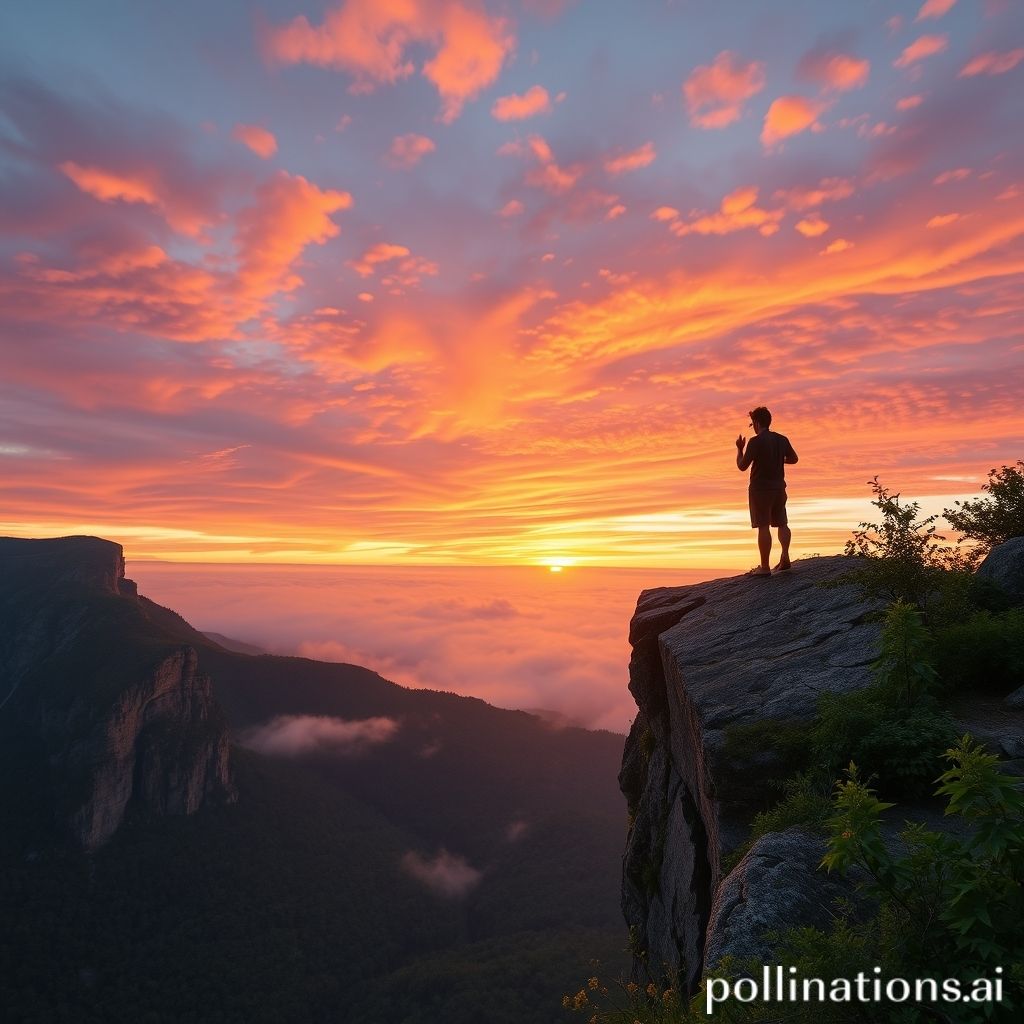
[
  {"x": 709, "y": 660},
  {"x": 101, "y": 713},
  {"x": 1004, "y": 566},
  {"x": 768, "y": 891}
]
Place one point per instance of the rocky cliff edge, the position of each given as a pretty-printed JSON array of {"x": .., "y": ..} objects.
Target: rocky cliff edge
[{"x": 709, "y": 659}]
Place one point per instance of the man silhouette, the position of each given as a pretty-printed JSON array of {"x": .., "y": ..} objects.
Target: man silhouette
[{"x": 769, "y": 453}]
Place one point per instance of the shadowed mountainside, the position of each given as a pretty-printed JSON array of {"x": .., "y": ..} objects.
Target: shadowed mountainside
[{"x": 405, "y": 871}]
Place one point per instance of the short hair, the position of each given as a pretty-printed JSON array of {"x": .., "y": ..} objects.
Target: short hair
[{"x": 761, "y": 415}]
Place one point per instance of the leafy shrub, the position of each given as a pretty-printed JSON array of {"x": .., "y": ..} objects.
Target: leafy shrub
[
  {"x": 991, "y": 521},
  {"x": 902, "y": 553},
  {"x": 984, "y": 652},
  {"x": 893, "y": 729},
  {"x": 955, "y": 900},
  {"x": 807, "y": 801}
]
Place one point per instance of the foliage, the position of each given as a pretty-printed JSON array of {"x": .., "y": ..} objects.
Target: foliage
[
  {"x": 903, "y": 669},
  {"x": 991, "y": 521},
  {"x": 625, "y": 1002},
  {"x": 950, "y": 899},
  {"x": 893, "y": 728},
  {"x": 903, "y": 553},
  {"x": 806, "y": 802},
  {"x": 984, "y": 651}
]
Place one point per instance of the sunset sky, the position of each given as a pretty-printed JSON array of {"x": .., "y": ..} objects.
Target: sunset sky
[{"x": 444, "y": 281}]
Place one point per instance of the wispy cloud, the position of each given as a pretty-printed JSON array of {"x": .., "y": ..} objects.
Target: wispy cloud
[{"x": 292, "y": 735}]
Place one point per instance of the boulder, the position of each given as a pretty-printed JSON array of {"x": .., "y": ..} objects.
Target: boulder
[
  {"x": 1004, "y": 566},
  {"x": 777, "y": 885}
]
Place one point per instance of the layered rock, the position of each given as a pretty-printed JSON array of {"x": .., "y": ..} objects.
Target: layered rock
[
  {"x": 709, "y": 659},
  {"x": 102, "y": 711}
]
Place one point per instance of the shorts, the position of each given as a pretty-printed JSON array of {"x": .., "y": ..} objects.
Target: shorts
[{"x": 768, "y": 507}]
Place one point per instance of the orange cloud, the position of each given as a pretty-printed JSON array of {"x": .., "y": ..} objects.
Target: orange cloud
[
  {"x": 665, "y": 213},
  {"x": 924, "y": 46},
  {"x": 382, "y": 252},
  {"x": 144, "y": 186},
  {"x": 513, "y": 208},
  {"x": 790, "y": 115},
  {"x": 631, "y": 161},
  {"x": 518, "y": 108},
  {"x": 289, "y": 214},
  {"x": 834, "y": 71},
  {"x": 827, "y": 190},
  {"x": 934, "y": 9},
  {"x": 408, "y": 150},
  {"x": 942, "y": 219},
  {"x": 812, "y": 226},
  {"x": 548, "y": 175},
  {"x": 992, "y": 63},
  {"x": 909, "y": 102},
  {"x": 369, "y": 39},
  {"x": 737, "y": 211},
  {"x": 259, "y": 140},
  {"x": 615, "y": 211},
  {"x": 839, "y": 245},
  {"x": 715, "y": 93}
]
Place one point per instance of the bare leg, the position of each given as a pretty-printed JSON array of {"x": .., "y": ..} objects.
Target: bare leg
[
  {"x": 785, "y": 536},
  {"x": 764, "y": 544}
]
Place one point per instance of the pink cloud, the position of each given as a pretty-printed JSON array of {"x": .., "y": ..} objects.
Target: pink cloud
[
  {"x": 934, "y": 9},
  {"x": 940, "y": 220},
  {"x": 259, "y": 140},
  {"x": 615, "y": 211},
  {"x": 920, "y": 48},
  {"x": 548, "y": 175},
  {"x": 143, "y": 185},
  {"x": 790, "y": 115},
  {"x": 371, "y": 39},
  {"x": 834, "y": 71},
  {"x": 992, "y": 63},
  {"x": 293, "y": 735},
  {"x": 382, "y": 252},
  {"x": 631, "y": 161},
  {"x": 513, "y": 208},
  {"x": 289, "y": 214},
  {"x": 957, "y": 174},
  {"x": 909, "y": 102},
  {"x": 827, "y": 190},
  {"x": 518, "y": 108},
  {"x": 408, "y": 150},
  {"x": 715, "y": 93},
  {"x": 737, "y": 211}
]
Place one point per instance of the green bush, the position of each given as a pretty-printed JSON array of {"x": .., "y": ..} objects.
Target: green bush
[
  {"x": 893, "y": 729},
  {"x": 953, "y": 900},
  {"x": 902, "y": 554},
  {"x": 991, "y": 521},
  {"x": 984, "y": 652}
]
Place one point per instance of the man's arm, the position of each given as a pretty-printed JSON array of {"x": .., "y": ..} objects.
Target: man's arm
[
  {"x": 742, "y": 460},
  {"x": 790, "y": 458}
]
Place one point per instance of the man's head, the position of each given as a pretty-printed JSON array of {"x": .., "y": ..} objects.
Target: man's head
[{"x": 760, "y": 418}]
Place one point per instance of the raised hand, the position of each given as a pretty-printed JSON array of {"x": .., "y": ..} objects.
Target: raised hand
[{"x": 740, "y": 442}]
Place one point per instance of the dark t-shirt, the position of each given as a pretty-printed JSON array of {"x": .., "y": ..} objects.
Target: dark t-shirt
[{"x": 767, "y": 453}]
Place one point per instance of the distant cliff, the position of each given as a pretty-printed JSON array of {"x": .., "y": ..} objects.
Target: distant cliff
[
  {"x": 726, "y": 655},
  {"x": 102, "y": 711}
]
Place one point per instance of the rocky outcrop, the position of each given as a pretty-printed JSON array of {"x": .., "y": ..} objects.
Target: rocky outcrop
[
  {"x": 1004, "y": 566},
  {"x": 775, "y": 885},
  {"x": 102, "y": 714},
  {"x": 710, "y": 661}
]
